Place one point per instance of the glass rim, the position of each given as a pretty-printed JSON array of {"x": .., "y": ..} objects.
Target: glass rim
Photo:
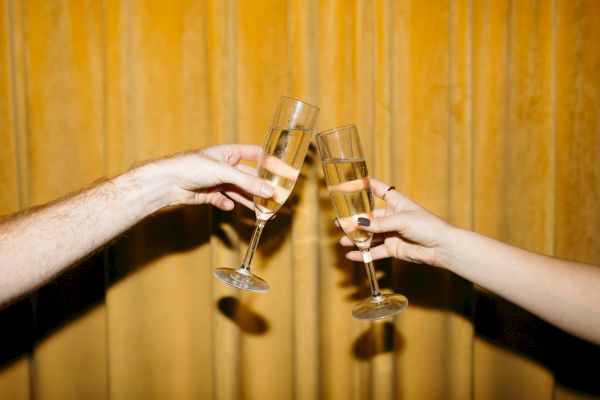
[
  {"x": 336, "y": 129},
  {"x": 299, "y": 101}
]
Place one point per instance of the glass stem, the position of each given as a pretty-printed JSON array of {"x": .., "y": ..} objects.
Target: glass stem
[
  {"x": 258, "y": 228},
  {"x": 366, "y": 253}
]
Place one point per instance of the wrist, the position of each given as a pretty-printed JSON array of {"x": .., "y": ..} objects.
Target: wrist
[
  {"x": 446, "y": 250},
  {"x": 149, "y": 190}
]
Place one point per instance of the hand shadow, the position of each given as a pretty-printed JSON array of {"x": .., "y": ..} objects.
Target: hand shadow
[
  {"x": 515, "y": 329},
  {"x": 381, "y": 337},
  {"x": 247, "y": 320},
  {"x": 168, "y": 231}
]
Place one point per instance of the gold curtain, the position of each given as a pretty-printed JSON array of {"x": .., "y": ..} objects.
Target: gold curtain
[{"x": 487, "y": 112}]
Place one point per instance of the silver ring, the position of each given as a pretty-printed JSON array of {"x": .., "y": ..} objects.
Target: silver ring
[{"x": 386, "y": 192}]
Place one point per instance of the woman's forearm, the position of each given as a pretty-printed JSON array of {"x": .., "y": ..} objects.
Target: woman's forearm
[{"x": 565, "y": 293}]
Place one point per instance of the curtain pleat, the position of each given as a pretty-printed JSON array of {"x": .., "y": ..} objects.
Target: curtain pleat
[{"x": 487, "y": 112}]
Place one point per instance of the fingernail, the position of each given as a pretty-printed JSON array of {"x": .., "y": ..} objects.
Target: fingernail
[
  {"x": 267, "y": 190},
  {"x": 364, "y": 221}
]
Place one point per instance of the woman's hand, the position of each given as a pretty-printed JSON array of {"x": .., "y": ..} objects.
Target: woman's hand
[{"x": 409, "y": 231}]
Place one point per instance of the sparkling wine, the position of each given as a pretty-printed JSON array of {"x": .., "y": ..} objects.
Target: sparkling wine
[
  {"x": 284, "y": 155},
  {"x": 351, "y": 195}
]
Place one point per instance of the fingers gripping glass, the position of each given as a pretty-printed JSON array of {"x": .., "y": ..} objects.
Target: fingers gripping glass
[
  {"x": 283, "y": 154},
  {"x": 347, "y": 179}
]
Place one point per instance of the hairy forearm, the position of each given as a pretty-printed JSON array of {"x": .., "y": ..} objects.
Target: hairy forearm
[
  {"x": 565, "y": 293},
  {"x": 39, "y": 243}
]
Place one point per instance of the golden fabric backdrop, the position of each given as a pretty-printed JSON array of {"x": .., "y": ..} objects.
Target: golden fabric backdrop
[{"x": 485, "y": 112}]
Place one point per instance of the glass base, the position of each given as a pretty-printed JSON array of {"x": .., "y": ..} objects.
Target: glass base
[
  {"x": 380, "y": 307},
  {"x": 241, "y": 279}
]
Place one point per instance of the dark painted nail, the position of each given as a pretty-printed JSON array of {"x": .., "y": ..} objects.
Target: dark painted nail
[{"x": 364, "y": 221}]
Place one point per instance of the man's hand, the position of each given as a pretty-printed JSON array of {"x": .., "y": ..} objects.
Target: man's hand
[
  {"x": 38, "y": 244},
  {"x": 213, "y": 175}
]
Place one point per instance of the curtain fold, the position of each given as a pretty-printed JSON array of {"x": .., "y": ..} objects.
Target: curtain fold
[{"x": 487, "y": 112}]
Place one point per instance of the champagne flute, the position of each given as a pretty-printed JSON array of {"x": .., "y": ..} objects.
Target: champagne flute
[
  {"x": 284, "y": 151},
  {"x": 347, "y": 179}
]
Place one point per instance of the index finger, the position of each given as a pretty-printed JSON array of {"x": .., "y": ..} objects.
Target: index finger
[{"x": 233, "y": 153}]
